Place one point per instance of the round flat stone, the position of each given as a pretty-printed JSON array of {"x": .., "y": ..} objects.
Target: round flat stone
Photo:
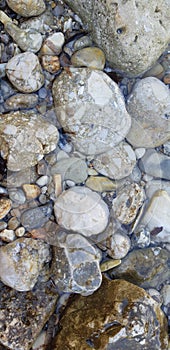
[
  {"x": 91, "y": 109},
  {"x": 91, "y": 57},
  {"x": 24, "y": 72},
  {"x": 82, "y": 210},
  {"x": 149, "y": 107}
]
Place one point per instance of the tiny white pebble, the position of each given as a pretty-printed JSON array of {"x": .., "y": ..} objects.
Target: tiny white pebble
[{"x": 42, "y": 181}]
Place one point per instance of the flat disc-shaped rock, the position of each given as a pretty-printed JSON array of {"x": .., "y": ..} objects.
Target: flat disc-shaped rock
[
  {"x": 82, "y": 210},
  {"x": 149, "y": 107},
  {"x": 24, "y": 72},
  {"x": 92, "y": 57},
  {"x": 91, "y": 109}
]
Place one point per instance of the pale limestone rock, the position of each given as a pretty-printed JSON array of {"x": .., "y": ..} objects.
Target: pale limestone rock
[
  {"x": 90, "y": 107},
  {"x": 53, "y": 44},
  {"x": 82, "y": 210},
  {"x": 155, "y": 164},
  {"x": 72, "y": 168},
  {"x": 149, "y": 106},
  {"x": 31, "y": 191}
]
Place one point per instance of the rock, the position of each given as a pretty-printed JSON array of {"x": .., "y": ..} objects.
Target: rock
[
  {"x": 155, "y": 71},
  {"x": 156, "y": 217},
  {"x": 100, "y": 184},
  {"x": 91, "y": 57},
  {"x": 36, "y": 217},
  {"x": 29, "y": 130},
  {"x": 82, "y": 210},
  {"x": 90, "y": 108},
  {"x": 50, "y": 63},
  {"x": 72, "y": 168},
  {"x": 75, "y": 265},
  {"x": 13, "y": 223},
  {"x": 27, "y": 8},
  {"x": 166, "y": 79},
  {"x": 149, "y": 106},
  {"x": 141, "y": 238},
  {"x": 26, "y": 313},
  {"x": 22, "y": 261},
  {"x": 155, "y": 164},
  {"x": 17, "y": 196},
  {"x": 117, "y": 243},
  {"x": 83, "y": 41},
  {"x": 17, "y": 179},
  {"x": 7, "y": 235},
  {"x": 148, "y": 267},
  {"x": 119, "y": 315},
  {"x": 5, "y": 206},
  {"x": 116, "y": 163},
  {"x": 156, "y": 185},
  {"x": 53, "y": 44},
  {"x": 43, "y": 180},
  {"x": 165, "y": 292},
  {"x": 127, "y": 203},
  {"x": 121, "y": 30},
  {"x": 21, "y": 101},
  {"x": 41, "y": 23},
  {"x": 31, "y": 191},
  {"x": 24, "y": 72},
  {"x": 20, "y": 231}
]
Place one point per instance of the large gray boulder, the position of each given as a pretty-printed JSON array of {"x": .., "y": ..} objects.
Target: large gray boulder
[{"x": 133, "y": 34}]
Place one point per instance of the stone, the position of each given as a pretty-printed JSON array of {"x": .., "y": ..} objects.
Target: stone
[
  {"x": 27, "y": 313},
  {"x": 72, "y": 168},
  {"x": 127, "y": 203},
  {"x": 36, "y": 217},
  {"x": 22, "y": 261},
  {"x": 149, "y": 106},
  {"x": 116, "y": 163},
  {"x": 17, "y": 179},
  {"x": 41, "y": 23},
  {"x": 100, "y": 184},
  {"x": 30, "y": 130},
  {"x": 13, "y": 223},
  {"x": 156, "y": 185},
  {"x": 165, "y": 293},
  {"x": 5, "y": 206},
  {"x": 53, "y": 44},
  {"x": 141, "y": 238},
  {"x": 43, "y": 180},
  {"x": 81, "y": 210},
  {"x": 27, "y": 8},
  {"x": 91, "y": 57},
  {"x": 75, "y": 265},
  {"x": 7, "y": 235},
  {"x": 155, "y": 164},
  {"x": 155, "y": 71},
  {"x": 57, "y": 184},
  {"x": 24, "y": 72},
  {"x": 83, "y": 41},
  {"x": 166, "y": 79},
  {"x": 119, "y": 315},
  {"x": 121, "y": 30},
  {"x": 117, "y": 243},
  {"x": 17, "y": 196},
  {"x": 21, "y": 101},
  {"x": 50, "y": 63},
  {"x": 109, "y": 264},
  {"x": 31, "y": 191},
  {"x": 20, "y": 231},
  {"x": 156, "y": 217},
  {"x": 91, "y": 109},
  {"x": 147, "y": 267}
]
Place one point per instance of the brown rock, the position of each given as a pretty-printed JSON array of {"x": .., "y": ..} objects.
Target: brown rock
[
  {"x": 5, "y": 206},
  {"x": 50, "y": 63},
  {"x": 31, "y": 191}
]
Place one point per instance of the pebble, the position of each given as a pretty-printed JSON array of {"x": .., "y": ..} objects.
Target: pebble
[
  {"x": 5, "y": 206},
  {"x": 116, "y": 163},
  {"x": 20, "y": 231},
  {"x": 91, "y": 109},
  {"x": 32, "y": 131},
  {"x": 91, "y": 57},
  {"x": 41, "y": 23},
  {"x": 155, "y": 71},
  {"x": 100, "y": 184},
  {"x": 50, "y": 63},
  {"x": 53, "y": 44},
  {"x": 27, "y": 8},
  {"x": 81, "y": 210},
  {"x": 155, "y": 185},
  {"x": 141, "y": 238},
  {"x": 155, "y": 164},
  {"x": 24, "y": 72},
  {"x": 43, "y": 180},
  {"x": 118, "y": 245},
  {"x": 82, "y": 42},
  {"x": 73, "y": 168},
  {"x": 3, "y": 225},
  {"x": 13, "y": 223},
  {"x": 109, "y": 264},
  {"x": 149, "y": 106},
  {"x": 17, "y": 179},
  {"x": 140, "y": 152},
  {"x": 127, "y": 203},
  {"x": 7, "y": 235},
  {"x": 166, "y": 79},
  {"x": 21, "y": 101},
  {"x": 76, "y": 266},
  {"x": 31, "y": 191},
  {"x": 57, "y": 184},
  {"x": 165, "y": 292},
  {"x": 36, "y": 217},
  {"x": 22, "y": 261}
]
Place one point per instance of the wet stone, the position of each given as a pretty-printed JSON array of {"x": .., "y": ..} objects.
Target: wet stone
[
  {"x": 117, "y": 243},
  {"x": 27, "y": 8},
  {"x": 75, "y": 266},
  {"x": 81, "y": 210},
  {"x": 119, "y": 315},
  {"x": 100, "y": 184},
  {"x": 116, "y": 163},
  {"x": 148, "y": 267},
  {"x": 21, "y": 101},
  {"x": 7, "y": 235},
  {"x": 27, "y": 313},
  {"x": 72, "y": 168},
  {"x": 91, "y": 109},
  {"x": 155, "y": 164},
  {"x": 22, "y": 261},
  {"x": 24, "y": 72},
  {"x": 36, "y": 217},
  {"x": 149, "y": 106},
  {"x": 91, "y": 57}
]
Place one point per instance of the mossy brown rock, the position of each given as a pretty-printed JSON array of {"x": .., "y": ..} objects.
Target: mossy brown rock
[
  {"x": 133, "y": 34},
  {"x": 118, "y": 316}
]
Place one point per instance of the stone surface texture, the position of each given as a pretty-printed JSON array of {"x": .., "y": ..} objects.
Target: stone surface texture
[
  {"x": 72, "y": 168},
  {"x": 132, "y": 34},
  {"x": 155, "y": 164},
  {"x": 27, "y": 8},
  {"x": 81, "y": 210},
  {"x": 22, "y": 261},
  {"x": 91, "y": 109},
  {"x": 91, "y": 57},
  {"x": 119, "y": 315},
  {"x": 149, "y": 106},
  {"x": 25, "y": 137}
]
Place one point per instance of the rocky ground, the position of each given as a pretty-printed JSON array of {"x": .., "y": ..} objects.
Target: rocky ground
[{"x": 84, "y": 175}]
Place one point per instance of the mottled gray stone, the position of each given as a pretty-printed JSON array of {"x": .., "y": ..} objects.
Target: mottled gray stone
[
  {"x": 155, "y": 164},
  {"x": 36, "y": 217},
  {"x": 21, "y": 101},
  {"x": 27, "y": 8},
  {"x": 72, "y": 168}
]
